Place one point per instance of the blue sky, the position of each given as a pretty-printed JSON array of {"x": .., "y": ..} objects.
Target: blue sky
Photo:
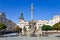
[{"x": 43, "y": 9}]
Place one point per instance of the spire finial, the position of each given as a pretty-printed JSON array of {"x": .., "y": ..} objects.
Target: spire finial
[{"x": 21, "y": 16}]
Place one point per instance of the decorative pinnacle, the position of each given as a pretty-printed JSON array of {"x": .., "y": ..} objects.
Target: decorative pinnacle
[{"x": 21, "y": 16}]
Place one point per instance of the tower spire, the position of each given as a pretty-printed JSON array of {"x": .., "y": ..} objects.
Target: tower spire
[
  {"x": 21, "y": 16},
  {"x": 32, "y": 11}
]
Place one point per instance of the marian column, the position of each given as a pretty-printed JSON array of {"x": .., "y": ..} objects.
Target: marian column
[
  {"x": 32, "y": 15},
  {"x": 32, "y": 11}
]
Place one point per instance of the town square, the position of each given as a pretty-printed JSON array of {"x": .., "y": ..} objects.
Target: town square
[{"x": 29, "y": 20}]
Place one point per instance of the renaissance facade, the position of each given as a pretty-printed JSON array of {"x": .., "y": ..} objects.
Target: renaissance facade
[{"x": 7, "y": 22}]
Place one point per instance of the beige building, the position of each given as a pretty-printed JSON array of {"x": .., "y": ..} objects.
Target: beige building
[
  {"x": 40, "y": 23},
  {"x": 3, "y": 19}
]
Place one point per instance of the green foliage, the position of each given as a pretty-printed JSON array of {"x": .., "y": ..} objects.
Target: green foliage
[
  {"x": 56, "y": 26},
  {"x": 17, "y": 29},
  {"x": 46, "y": 27},
  {"x": 2, "y": 26}
]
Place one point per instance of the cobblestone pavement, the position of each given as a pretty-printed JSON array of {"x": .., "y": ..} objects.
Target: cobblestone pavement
[{"x": 29, "y": 38}]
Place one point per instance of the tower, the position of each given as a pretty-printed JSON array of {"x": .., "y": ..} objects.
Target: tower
[
  {"x": 21, "y": 17},
  {"x": 32, "y": 11}
]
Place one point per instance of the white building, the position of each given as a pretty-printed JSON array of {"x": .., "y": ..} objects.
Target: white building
[
  {"x": 40, "y": 23},
  {"x": 54, "y": 20},
  {"x": 23, "y": 23}
]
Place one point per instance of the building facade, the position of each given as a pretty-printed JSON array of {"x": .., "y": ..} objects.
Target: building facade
[
  {"x": 23, "y": 23},
  {"x": 7, "y": 22},
  {"x": 54, "y": 20},
  {"x": 40, "y": 23}
]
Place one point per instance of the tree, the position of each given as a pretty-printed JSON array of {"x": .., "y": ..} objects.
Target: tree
[
  {"x": 46, "y": 27},
  {"x": 56, "y": 26},
  {"x": 17, "y": 29},
  {"x": 2, "y": 26}
]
